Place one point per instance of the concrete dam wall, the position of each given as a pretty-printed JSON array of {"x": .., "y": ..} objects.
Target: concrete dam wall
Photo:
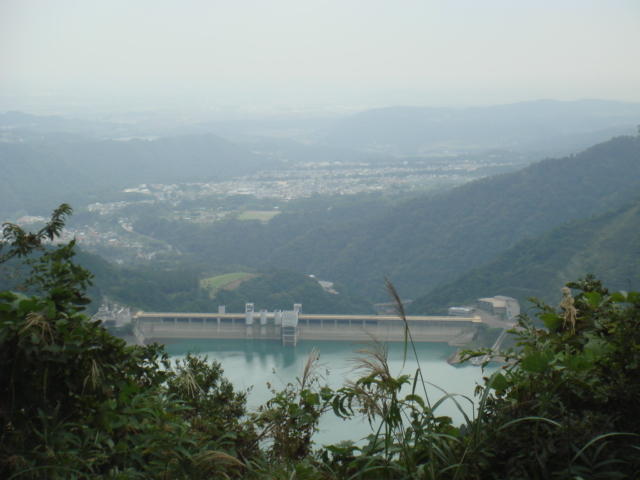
[{"x": 293, "y": 328}]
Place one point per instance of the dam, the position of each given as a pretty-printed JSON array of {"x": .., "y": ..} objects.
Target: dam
[{"x": 290, "y": 327}]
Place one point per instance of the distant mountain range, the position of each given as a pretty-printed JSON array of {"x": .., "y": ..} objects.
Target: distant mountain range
[
  {"x": 54, "y": 169},
  {"x": 548, "y": 126}
]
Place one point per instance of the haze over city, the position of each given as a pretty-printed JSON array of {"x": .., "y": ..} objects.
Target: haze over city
[{"x": 331, "y": 57}]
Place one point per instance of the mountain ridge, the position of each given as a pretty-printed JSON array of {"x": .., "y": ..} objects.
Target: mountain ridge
[
  {"x": 546, "y": 125},
  {"x": 431, "y": 240},
  {"x": 56, "y": 170},
  {"x": 605, "y": 245}
]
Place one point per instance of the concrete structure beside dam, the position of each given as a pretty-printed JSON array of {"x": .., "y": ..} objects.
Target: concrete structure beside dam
[{"x": 290, "y": 327}]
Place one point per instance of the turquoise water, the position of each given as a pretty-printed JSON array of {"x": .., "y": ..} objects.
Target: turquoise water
[{"x": 251, "y": 364}]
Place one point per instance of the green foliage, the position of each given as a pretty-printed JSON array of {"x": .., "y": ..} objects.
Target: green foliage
[
  {"x": 76, "y": 402},
  {"x": 566, "y": 404},
  {"x": 250, "y": 243},
  {"x": 280, "y": 289},
  {"x": 214, "y": 408},
  {"x": 263, "y": 216},
  {"x": 21, "y": 243},
  {"x": 289, "y": 419},
  {"x": 214, "y": 283},
  {"x": 157, "y": 286},
  {"x": 607, "y": 245}
]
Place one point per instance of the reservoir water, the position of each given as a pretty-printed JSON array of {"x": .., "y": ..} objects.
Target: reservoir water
[{"x": 254, "y": 363}]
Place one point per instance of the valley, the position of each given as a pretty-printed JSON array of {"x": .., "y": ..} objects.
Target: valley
[{"x": 352, "y": 217}]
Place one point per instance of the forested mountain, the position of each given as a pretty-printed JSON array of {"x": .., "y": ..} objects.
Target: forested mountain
[
  {"x": 606, "y": 245},
  {"x": 18, "y": 125},
  {"x": 547, "y": 126},
  {"x": 423, "y": 242},
  {"x": 57, "y": 169},
  {"x": 251, "y": 243},
  {"x": 431, "y": 240},
  {"x": 280, "y": 289},
  {"x": 175, "y": 287},
  {"x": 355, "y": 241},
  {"x": 146, "y": 286}
]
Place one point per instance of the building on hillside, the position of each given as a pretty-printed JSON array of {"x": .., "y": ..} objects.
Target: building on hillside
[
  {"x": 327, "y": 286},
  {"x": 506, "y": 307},
  {"x": 113, "y": 314}
]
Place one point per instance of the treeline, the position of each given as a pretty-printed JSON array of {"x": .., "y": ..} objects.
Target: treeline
[
  {"x": 170, "y": 286},
  {"x": 171, "y": 281}
]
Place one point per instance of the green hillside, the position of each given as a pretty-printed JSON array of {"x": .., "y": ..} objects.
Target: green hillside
[
  {"x": 172, "y": 286},
  {"x": 280, "y": 289},
  {"x": 263, "y": 216},
  {"x": 252, "y": 242},
  {"x": 607, "y": 245},
  {"x": 431, "y": 240}
]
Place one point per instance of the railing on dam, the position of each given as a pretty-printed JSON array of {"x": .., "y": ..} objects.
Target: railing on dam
[{"x": 162, "y": 325}]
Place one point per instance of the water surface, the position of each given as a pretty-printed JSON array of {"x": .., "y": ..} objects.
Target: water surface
[{"x": 251, "y": 364}]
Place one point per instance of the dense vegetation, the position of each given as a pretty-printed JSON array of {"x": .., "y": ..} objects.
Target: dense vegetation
[
  {"x": 424, "y": 242},
  {"x": 607, "y": 245},
  {"x": 77, "y": 403},
  {"x": 251, "y": 243},
  {"x": 431, "y": 240},
  {"x": 155, "y": 287},
  {"x": 280, "y": 289},
  {"x": 174, "y": 284}
]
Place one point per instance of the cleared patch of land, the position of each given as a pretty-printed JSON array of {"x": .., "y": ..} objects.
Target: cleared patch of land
[
  {"x": 228, "y": 281},
  {"x": 263, "y": 216}
]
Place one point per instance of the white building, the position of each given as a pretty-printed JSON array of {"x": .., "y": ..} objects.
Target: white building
[{"x": 500, "y": 305}]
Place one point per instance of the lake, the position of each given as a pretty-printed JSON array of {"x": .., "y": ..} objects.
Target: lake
[{"x": 254, "y": 363}]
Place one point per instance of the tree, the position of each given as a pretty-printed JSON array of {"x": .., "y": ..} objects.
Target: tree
[{"x": 76, "y": 402}]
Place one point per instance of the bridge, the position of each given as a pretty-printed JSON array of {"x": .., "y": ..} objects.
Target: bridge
[{"x": 292, "y": 326}]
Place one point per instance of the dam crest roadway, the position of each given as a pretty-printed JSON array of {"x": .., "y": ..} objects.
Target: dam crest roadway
[{"x": 289, "y": 327}]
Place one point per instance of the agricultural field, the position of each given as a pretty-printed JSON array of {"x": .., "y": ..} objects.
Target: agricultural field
[
  {"x": 258, "y": 215},
  {"x": 228, "y": 281}
]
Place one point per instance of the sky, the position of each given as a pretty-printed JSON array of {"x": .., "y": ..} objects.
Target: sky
[{"x": 410, "y": 52}]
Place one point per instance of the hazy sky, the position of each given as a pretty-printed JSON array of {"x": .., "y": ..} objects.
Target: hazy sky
[{"x": 424, "y": 52}]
